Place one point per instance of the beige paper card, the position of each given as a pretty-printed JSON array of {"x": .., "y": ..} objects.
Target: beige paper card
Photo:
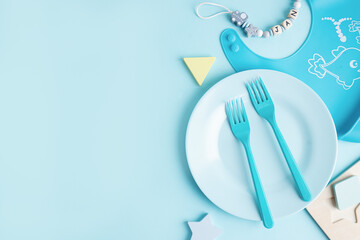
[{"x": 337, "y": 224}]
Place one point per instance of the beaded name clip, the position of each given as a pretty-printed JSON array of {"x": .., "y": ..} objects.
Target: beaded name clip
[{"x": 240, "y": 19}]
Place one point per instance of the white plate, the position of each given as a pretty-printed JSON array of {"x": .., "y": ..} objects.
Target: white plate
[{"x": 218, "y": 162}]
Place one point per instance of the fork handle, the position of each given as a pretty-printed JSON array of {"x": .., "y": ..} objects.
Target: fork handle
[
  {"x": 263, "y": 204},
  {"x": 302, "y": 187}
]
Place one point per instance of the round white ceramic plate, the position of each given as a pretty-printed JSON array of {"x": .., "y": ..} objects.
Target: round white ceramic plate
[{"x": 218, "y": 162}]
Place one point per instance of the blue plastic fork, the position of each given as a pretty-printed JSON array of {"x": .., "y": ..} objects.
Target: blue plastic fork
[
  {"x": 241, "y": 129},
  {"x": 264, "y": 106}
]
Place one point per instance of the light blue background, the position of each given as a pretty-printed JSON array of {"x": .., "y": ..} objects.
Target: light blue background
[{"x": 94, "y": 102}]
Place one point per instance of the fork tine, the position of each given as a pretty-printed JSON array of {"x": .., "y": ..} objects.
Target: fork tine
[
  {"x": 258, "y": 98},
  {"x": 228, "y": 113},
  {"x": 235, "y": 112},
  {"x": 243, "y": 111},
  {"x": 267, "y": 95},
  {"x": 239, "y": 110},
  {"x": 252, "y": 97},
  {"x": 259, "y": 88}
]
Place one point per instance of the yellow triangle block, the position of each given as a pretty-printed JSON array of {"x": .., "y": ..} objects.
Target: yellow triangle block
[{"x": 199, "y": 67}]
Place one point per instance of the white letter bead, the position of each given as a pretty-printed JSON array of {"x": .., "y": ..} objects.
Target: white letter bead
[
  {"x": 286, "y": 24},
  {"x": 293, "y": 14},
  {"x": 277, "y": 30}
]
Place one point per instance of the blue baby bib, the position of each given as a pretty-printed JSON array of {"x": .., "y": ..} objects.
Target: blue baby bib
[{"x": 328, "y": 61}]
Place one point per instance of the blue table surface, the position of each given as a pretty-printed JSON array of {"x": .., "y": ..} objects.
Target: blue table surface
[{"x": 94, "y": 101}]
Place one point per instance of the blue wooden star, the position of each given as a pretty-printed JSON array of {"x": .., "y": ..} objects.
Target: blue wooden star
[
  {"x": 204, "y": 230},
  {"x": 251, "y": 30}
]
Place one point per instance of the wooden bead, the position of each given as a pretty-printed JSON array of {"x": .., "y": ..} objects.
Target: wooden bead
[
  {"x": 286, "y": 24},
  {"x": 293, "y": 14},
  {"x": 277, "y": 30}
]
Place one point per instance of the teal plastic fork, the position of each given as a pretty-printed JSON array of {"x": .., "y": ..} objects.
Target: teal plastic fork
[
  {"x": 240, "y": 127},
  {"x": 264, "y": 106}
]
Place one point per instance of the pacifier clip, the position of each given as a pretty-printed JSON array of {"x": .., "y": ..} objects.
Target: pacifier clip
[{"x": 240, "y": 19}]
